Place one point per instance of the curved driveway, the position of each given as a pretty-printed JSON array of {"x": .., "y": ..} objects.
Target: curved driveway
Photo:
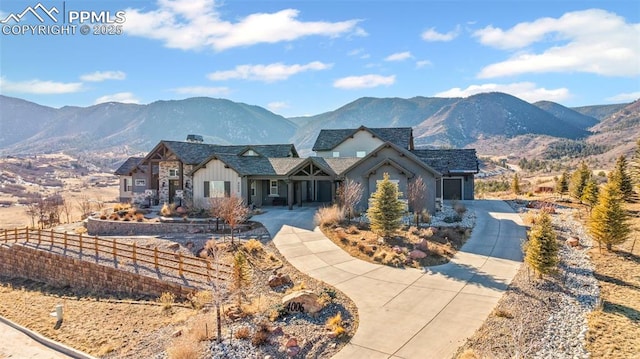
[{"x": 408, "y": 313}]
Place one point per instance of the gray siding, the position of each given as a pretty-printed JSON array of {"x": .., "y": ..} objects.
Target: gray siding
[{"x": 361, "y": 141}]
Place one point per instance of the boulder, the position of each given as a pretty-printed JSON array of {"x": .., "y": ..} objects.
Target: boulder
[
  {"x": 276, "y": 280},
  {"x": 302, "y": 301},
  {"x": 293, "y": 351},
  {"x": 417, "y": 254},
  {"x": 573, "y": 242},
  {"x": 173, "y": 246},
  {"x": 422, "y": 246},
  {"x": 292, "y": 342}
]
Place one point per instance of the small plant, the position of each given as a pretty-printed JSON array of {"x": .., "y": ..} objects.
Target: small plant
[
  {"x": 353, "y": 230},
  {"x": 253, "y": 246},
  {"x": 328, "y": 216},
  {"x": 243, "y": 333},
  {"x": 413, "y": 230},
  {"x": 279, "y": 311},
  {"x": 80, "y": 230},
  {"x": 426, "y": 216},
  {"x": 341, "y": 234},
  {"x": 380, "y": 256},
  {"x": 114, "y": 216},
  {"x": 200, "y": 299},
  {"x": 452, "y": 219},
  {"x": 459, "y": 208},
  {"x": 167, "y": 299},
  {"x": 183, "y": 349},
  {"x": 121, "y": 207},
  {"x": 361, "y": 247},
  {"x": 168, "y": 210},
  {"x": 335, "y": 324},
  {"x": 261, "y": 334},
  {"x": 330, "y": 292},
  {"x": 501, "y": 313},
  {"x": 103, "y": 217},
  {"x": 394, "y": 259},
  {"x": 426, "y": 232},
  {"x": 202, "y": 330},
  {"x": 139, "y": 217}
]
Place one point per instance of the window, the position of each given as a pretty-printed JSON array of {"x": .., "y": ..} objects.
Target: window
[
  {"x": 273, "y": 189},
  {"x": 250, "y": 153},
  {"x": 361, "y": 154},
  {"x": 253, "y": 188},
  {"x": 336, "y": 154},
  {"x": 173, "y": 172},
  {"x": 126, "y": 185},
  {"x": 217, "y": 189},
  {"x": 140, "y": 183}
]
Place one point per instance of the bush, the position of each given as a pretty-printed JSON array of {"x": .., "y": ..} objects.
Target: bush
[
  {"x": 394, "y": 259},
  {"x": 261, "y": 334},
  {"x": 139, "y": 217},
  {"x": 167, "y": 299},
  {"x": 243, "y": 333},
  {"x": 252, "y": 246},
  {"x": 452, "y": 219},
  {"x": 201, "y": 299},
  {"x": 335, "y": 324},
  {"x": 459, "y": 208},
  {"x": 329, "y": 216},
  {"x": 168, "y": 210},
  {"x": 353, "y": 230}
]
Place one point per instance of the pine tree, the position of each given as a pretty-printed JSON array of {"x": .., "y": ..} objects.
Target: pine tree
[
  {"x": 562, "y": 184},
  {"x": 515, "y": 185},
  {"x": 541, "y": 251},
  {"x": 579, "y": 180},
  {"x": 608, "y": 222},
  {"x": 621, "y": 178},
  {"x": 240, "y": 274},
  {"x": 386, "y": 210},
  {"x": 590, "y": 193}
]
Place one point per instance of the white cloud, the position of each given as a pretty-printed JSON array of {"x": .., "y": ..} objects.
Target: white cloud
[
  {"x": 423, "y": 63},
  {"x": 99, "y": 76},
  {"x": 399, "y": 56},
  {"x": 277, "y": 106},
  {"x": 625, "y": 97},
  {"x": 432, "y": 35},
  {"x": 360, "y": 53},
  {"x": 202, "y": 91},
  {"x": 196, "y": 24},
  {"x": 592, "y": 41},
  {"x": 527, "y": 91},
  {"x": 122, "y": 97},
  {"x": 267, "y": 73},
  {"x": 39, "y": 87},
  {"x": 365, "y": 81}
]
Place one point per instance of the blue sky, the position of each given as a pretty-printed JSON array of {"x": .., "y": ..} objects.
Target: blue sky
[{"x": 307, "y": 57}]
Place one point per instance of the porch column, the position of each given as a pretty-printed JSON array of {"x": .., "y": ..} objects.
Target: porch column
[
  {"x": 258, "y": 201},
  {"x": 299, "y": 189},
  {"x": 290, "y": 194},
  {"x": 180, "y": 170},
  {"x": 333, "y": 191}
]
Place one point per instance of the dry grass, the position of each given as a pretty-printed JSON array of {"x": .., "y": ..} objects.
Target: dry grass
[
  {"x": 96, "y": 326},
  {"x": 253, "y": 246},
  {"x": 329, "y": 216},
  {"x": 183, "y": 348},
  {"x": 614, "y": 329}
]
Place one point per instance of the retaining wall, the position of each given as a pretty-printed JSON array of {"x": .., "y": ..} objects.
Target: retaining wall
[
  {"x": 19, "y": 261},
  {"x": 100, "y": 227}
]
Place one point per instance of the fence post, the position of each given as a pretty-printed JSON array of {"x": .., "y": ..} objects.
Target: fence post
[
  {"x": 15, "y": 234},
  {"x": 39, "y": 240},
  {"x": 26, "y": 232},
  {"x": 5, "y": 234},
  {"x": 134, "y": 253},
  {"x": 155, "y": 256},
  {"x": 51, "y": 237},
  {"x": 80, "y": 238},
  {"x": 96, "y": 244},
  {"x": 180, "y": 264},
  {"x": 64, "y": 239},
  {"x": 115, "y": 255}
]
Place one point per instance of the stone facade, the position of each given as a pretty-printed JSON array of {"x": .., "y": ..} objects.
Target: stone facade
[{"x": 99, "y": 227}]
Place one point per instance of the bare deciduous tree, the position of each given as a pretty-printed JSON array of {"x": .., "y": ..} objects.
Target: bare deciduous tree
[
  {"x": 417, "y": 196},
  {"x": 66, "y": 208},
  {"x": 219, "y": 288},
  {"x": 349, "y": 194},
  {"x": 231, "y": 209},
  {"x": 84, "y": 205},
  {"x": 34, "y": 200}
]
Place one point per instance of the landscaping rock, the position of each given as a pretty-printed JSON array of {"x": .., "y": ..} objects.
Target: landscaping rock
[
  {"x": 304, "y": 301},
  {"x": 278, "y": 280},
  {"x": 422, "y": 246},
  {"x": 573, "y": 242},
  {"x": 174, "y": 246},
  {"x": 292, "y": 342},
  {"x": 417, "y": 254},
  {"x": 293, "y": 351}
]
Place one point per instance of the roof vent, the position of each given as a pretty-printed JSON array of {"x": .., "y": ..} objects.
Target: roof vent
[{"x": 194, "y": 138}]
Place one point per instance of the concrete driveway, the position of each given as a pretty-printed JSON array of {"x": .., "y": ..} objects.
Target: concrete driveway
[{"x": 408, "y": 313}]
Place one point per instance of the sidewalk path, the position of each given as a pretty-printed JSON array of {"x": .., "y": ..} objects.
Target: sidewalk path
[{"x": 408, "y": 313}]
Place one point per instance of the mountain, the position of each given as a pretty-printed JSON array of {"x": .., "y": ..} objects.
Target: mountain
[
  {"x": 370, "y": 112},
  {"x": 28, "y": 127},
  {"x": 490, "y": 114},
  {"x": 568, "y": 115},
  {"x": 600, "y": 112}
]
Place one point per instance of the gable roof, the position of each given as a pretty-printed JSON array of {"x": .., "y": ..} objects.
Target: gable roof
[
  {"x": 128, "y": 166},
  {"x": 329, "y": 139},
  {"x": 450, "y": 161},
  {"x": 193, "y": 153},
  {"x": 401, "y": 151}
]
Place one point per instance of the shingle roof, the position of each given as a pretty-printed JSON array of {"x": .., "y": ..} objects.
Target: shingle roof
[
  {"x": 191, "y": 153},
  {"x": 449, "y": 161},
  {"x": 329, "y": 139},
  {"x": 339, "y": 165},
  {"x": 129, "y": 165}
]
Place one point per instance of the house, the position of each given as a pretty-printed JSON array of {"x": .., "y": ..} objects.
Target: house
[{"x": 192, "y": 172}]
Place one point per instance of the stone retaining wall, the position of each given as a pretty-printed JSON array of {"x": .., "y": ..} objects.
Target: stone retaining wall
[
  {"x": 19, "y": 261},
  {"x": 100, "y": 227}
]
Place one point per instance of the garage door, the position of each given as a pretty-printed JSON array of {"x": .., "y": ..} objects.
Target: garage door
[{"x": 452, "y": 188}]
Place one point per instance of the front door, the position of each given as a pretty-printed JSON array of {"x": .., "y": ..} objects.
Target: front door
[
  {"x": 452, "y": 188},
  {"x": 173, "y": 186}
]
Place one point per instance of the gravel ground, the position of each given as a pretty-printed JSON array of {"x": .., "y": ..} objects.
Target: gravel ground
[{"x": 544, "y": 318}]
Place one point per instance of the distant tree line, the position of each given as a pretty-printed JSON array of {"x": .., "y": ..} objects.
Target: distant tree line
[{"x": 572, "y": 149}]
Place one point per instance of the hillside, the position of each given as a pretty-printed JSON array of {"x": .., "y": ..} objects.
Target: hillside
[
  {"x": 599, "y": 112},
  {"x": 32, "y": 128},
  {"x": 566, "y": 114}
]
